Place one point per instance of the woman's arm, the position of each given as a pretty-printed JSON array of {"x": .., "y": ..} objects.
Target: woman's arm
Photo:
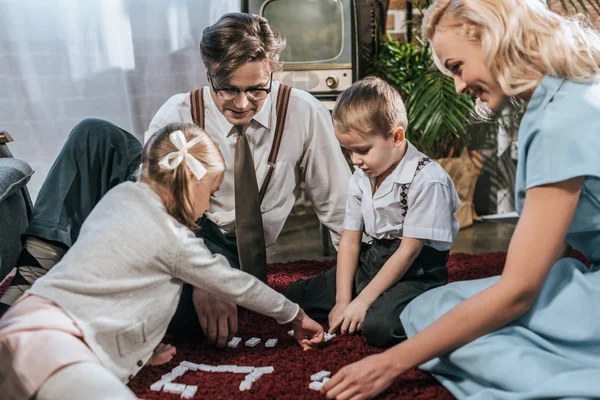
[{"x": 538, "y": 242}]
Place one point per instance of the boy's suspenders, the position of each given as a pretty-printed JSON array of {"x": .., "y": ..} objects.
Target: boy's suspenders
[{"x": 283, "y": 98}]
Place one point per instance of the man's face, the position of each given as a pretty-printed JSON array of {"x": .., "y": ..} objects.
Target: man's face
[{"x": 240, "y": 110}]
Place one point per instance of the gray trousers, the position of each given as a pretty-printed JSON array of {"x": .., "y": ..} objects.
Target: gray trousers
[{"x": 382, "y": 326}]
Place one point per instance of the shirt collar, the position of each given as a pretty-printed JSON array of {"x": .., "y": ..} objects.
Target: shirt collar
[
  {"x": 263, "y": 117},
  {"x": 406, "y": 168}
]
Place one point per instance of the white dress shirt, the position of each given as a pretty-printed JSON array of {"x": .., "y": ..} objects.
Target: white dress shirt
[
  {"x": 432, "y": 202},
  {"x": 309, "y": 152}
]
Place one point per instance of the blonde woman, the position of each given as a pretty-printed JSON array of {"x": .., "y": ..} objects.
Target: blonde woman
[{"x": 534, "y": 331}]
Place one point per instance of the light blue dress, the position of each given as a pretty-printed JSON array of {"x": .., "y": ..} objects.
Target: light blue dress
[{"x": 553, "y": 351}]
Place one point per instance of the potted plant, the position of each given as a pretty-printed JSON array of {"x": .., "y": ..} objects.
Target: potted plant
[{"x": 443, "y": 124}]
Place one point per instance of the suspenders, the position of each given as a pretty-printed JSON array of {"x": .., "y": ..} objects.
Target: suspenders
[{"x": 283, "y": 98}]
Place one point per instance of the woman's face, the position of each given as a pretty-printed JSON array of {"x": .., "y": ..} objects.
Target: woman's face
[{"x": 465, "y": 61}]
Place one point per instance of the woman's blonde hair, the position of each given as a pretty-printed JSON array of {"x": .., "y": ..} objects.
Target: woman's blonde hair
[
  {"x": 173, "y": 185},
  {"x": 522, "y": 40},
  {"x": 370, "y": 106}
]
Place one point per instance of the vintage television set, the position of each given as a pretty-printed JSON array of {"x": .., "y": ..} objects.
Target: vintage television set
[{"x": 323, "y": 48}]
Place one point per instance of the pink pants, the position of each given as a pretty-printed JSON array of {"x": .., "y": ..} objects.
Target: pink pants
[{"x": 37, "y": 338}]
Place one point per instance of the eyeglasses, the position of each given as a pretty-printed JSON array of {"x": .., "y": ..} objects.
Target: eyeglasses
[{"x": 230, "y": 93}]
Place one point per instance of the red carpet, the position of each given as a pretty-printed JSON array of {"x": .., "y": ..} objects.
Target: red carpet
[{"x": 293, "y": 367}]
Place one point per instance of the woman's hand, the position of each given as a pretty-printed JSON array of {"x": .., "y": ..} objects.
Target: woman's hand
[
  {"x": 307, "y": 332},
  {"x": 363, "y": 379}
]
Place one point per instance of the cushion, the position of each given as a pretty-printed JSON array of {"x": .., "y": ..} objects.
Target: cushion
[{"x": 14, "y": 174}]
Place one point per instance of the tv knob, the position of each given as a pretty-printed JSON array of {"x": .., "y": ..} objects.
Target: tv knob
[{"x": 332, "y": 81}]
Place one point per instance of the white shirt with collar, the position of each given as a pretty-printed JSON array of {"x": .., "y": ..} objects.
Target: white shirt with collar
[
  {"x": 309, "y": 152},
  {"x": 432, "y": 202}
]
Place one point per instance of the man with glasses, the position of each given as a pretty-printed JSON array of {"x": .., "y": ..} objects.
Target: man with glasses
[{"x": 240, "y": 54}]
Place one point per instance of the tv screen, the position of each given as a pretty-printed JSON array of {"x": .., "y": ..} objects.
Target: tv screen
[{"x": 315, "y": 30}]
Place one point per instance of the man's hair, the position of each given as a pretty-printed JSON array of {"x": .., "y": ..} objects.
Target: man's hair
[
  {"x": 239, "y": 38},
  {"x": 370, "y": 106},
  {"x": 522, "y": 40},
  {"x": 173, "y": 185}
]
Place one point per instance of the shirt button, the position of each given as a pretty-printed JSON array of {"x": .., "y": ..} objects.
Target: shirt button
[
  {"x": 130, "y": 377},
  {"x": 140, "y": 363}
]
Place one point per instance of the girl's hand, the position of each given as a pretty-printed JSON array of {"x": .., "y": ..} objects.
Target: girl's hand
[
  {"x": 363, "y": 379},
  {"x": 307, "y": 332},
  {"x": 336, "y": 316},
  {"x": 354, "y": 315}
]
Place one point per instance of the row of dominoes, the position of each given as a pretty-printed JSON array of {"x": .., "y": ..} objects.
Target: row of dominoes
[
  {"x": 328, "y": 336},
  {"x": 187, "y": 391},
  {"x": 318, "y": 380},
  {"x": 166, "y": 384},
  {"x": 255, "y": 375},
  {"x": 253, "y": 342}
]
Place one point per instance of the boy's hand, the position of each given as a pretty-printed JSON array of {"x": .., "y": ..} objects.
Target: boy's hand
[
  {"x": 336, "y": 316},
  {"x": 354, "y": 315},
  {"x": 307, "y": 332}
]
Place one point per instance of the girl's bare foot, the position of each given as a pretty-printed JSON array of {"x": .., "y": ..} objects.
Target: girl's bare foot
[{"x": 162, "y": 355}]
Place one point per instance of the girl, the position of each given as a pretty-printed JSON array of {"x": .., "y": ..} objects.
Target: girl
[
  {"x": 403, "y": 201},
  {"x": 92, "y": 322},
  {"x": 533, "y": 332}
]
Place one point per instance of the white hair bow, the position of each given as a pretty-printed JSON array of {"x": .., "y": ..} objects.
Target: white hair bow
[{"x": 172, "y": 160}]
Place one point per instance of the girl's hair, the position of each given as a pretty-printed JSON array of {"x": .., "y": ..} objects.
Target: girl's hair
[
  {"x": 173, "y": 185},
  {"x": 522, "y": 40},
  {"x": 239, "y": 38},
  {"x": 370, "y": 106}
]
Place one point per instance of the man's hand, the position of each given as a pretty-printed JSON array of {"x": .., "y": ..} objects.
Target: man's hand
[
  {"x": 218, "y": 318},
  {"x": 307, "y": 332},
  {"x": 352, "y": 317}
]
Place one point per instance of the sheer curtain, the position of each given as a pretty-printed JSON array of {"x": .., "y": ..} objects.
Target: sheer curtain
[{"x": 65, "y": 60}]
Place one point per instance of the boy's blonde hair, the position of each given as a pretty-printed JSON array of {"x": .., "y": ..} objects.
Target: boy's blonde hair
[
  {"x": 370, "y": 106},
  {"x": 173, "y": 185},
  {"x": 522, "y": 40}
]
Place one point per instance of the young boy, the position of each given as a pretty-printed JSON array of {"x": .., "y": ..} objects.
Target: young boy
[{"x": 401, "y": 199}]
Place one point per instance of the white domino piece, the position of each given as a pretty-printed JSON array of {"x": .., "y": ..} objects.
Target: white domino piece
[
  {"x": 329, "y": 336},
  {"x": 325, "y": 380},
  {"x": 264, "y": 370},
  {"x": 176, "y": 388},
  {"x": 242, "y": 370},
  {"x": 271, "y": 343},
  {"x": 169, "y": 376},
  {"x": 189, "y": 392},
  {"x": 189, "y": 365},
  {"x": 157, "y": 386},
  {"x": 320, "y": 375},
  {"x": 252, "y": 342},
  {"x": 205, "y": 368},
  {"x": 234, "y": 342},
  {"x": 315, "y": 385},
  {"x": 179, "y": 370},
  {"x": 253, "y": 376},
  {"x": 245, "y": 385},
  {"x": 291, "y": 333}
]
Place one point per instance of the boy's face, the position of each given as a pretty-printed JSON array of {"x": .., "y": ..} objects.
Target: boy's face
[
  {"x": 240, "y": 110},
  {"x": 372, "y": 153}
]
